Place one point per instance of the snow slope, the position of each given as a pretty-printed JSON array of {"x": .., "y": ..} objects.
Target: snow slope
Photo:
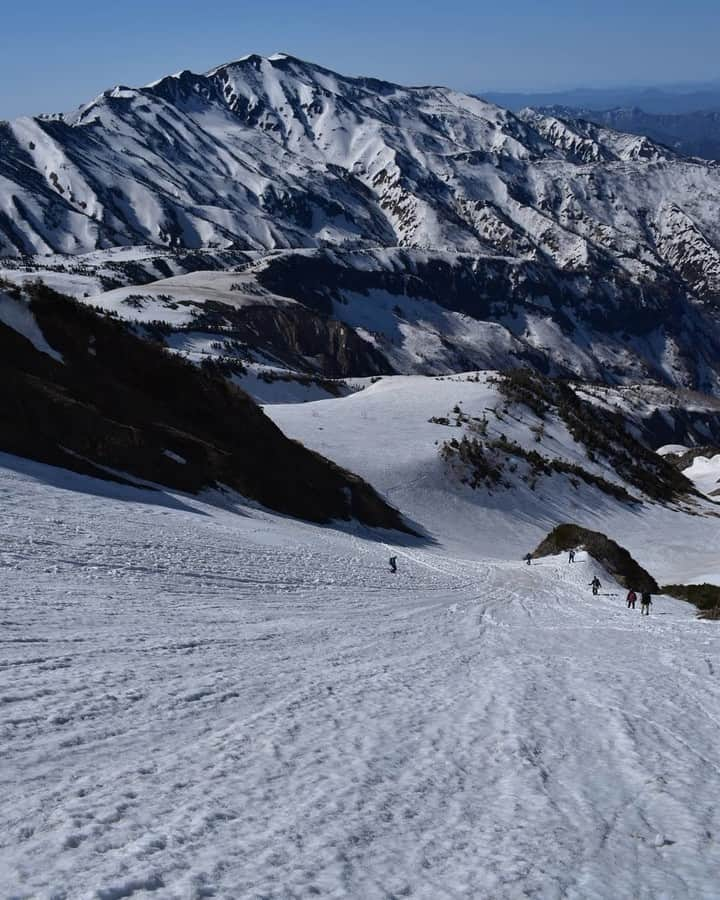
[
  {"x": 384, "y": 434},
  {"x": 199, "y": 703},
  {"x": 705, "y": 472}
]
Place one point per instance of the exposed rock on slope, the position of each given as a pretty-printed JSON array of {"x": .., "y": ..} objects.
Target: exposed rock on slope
[
  {"x": 659, "y": 415},
  {"x": 79, "y": 390},
  {"x": 685, "y": 460},
  {"x": 611, "y": 556},
  {"x": 436, "y": 313},
  {"x": 603, "y": 432}
]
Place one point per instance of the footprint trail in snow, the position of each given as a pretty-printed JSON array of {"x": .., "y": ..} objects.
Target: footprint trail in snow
[{"x": 196, "y": 703}]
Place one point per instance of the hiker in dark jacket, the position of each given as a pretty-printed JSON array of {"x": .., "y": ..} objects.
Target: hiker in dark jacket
[
  {"x": 571, "y": 556},
  {"x": 645, "y": 604},
  {"x": 631, "y": 598},
  {"x": 528, "y": 558},
  {"x": 595, "y": 585},
  {"x": 393, "y": 563}
]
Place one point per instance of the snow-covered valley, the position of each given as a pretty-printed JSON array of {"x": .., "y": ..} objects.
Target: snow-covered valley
[
  {"x": 386, "y": 434},
  {"x": 466, "y": 327},
  {"x": 202, "y": 699}
]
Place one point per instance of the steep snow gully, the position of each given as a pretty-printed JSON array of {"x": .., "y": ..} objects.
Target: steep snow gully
[{"x": 199, "y": 703}]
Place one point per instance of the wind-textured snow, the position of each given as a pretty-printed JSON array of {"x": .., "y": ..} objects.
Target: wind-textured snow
[{"x": 203, "y": 699}]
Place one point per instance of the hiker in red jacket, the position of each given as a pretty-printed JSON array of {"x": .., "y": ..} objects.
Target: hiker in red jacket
[{"x": 631, "y": 598}]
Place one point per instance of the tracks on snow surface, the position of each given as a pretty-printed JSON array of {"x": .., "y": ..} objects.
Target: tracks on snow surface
[{"x": 200, "y": 704}]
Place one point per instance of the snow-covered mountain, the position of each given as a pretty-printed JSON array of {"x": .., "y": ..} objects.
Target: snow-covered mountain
[
  {"x": 204, "y": 696},
  {"x": 561, "y": 243},
  {"x": 266, "y": 153}
]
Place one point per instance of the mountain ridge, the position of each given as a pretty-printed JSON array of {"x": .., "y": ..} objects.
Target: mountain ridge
[{"x": 563, "y": 224}]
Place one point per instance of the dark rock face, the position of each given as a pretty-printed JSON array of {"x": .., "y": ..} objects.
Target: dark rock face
[
  {"x": 605, "y": 327},
  {"x": 301, "y": 339},
  {"x": 611, "y": 556},
  {"x": 120, "y": 402},
  {"x": 681, "y": 426}
]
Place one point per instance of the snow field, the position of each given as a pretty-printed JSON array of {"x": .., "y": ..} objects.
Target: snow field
[
  {"x": 212, "y": 701},
  {"x": 705, "y": 473},
  {"x": 384, "y": 434}
]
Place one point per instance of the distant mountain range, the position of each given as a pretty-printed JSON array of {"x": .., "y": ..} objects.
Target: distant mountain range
[
  {"x": 678, "y": 99},
  {"x": 685, "y": 117},
  {"x": 692, "y": 134},
  {"x": 371, "y": 227}
]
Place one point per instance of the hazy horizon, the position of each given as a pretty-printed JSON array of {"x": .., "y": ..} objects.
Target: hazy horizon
[{"x": 55, "y": 58}]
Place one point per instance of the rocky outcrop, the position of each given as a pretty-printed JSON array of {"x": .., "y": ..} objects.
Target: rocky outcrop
[
  {"x": 684, "y": 460},
  {"x": 706, "y": 597},
  {"x": 612, "y": 557},
  {"x": 298, "y": 338}
]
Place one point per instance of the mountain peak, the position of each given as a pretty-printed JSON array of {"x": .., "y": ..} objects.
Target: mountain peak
[{"x": 274, "y": 153}]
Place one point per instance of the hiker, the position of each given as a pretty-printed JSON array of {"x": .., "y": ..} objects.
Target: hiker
[
  {"x": 571, "y": 556},
  {"x": 528, "y": 558},
  {"x": 645, "y": 604},
  {"x": 631, "y": 598},
  {"x": 393, "y": 563},
  {"x": 595, "y": 585}
]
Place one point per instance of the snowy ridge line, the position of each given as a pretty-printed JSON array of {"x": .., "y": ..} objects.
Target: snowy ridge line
[{"x": 548, "y": 218}]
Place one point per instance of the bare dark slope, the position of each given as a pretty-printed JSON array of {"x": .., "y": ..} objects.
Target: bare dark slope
[{"x": 124, "y": 403}]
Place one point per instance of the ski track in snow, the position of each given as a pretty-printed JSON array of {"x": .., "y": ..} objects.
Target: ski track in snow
[{"x": 197, "y": 703}]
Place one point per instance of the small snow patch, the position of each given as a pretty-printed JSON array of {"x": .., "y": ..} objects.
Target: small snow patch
[
  {"x": 672, "y": 449},
  {"x": 16, "y": 315},
  {"x": 175, "y": 457}
]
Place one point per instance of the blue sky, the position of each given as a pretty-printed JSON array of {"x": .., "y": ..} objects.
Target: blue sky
[{"x": 56, "y": 54}]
